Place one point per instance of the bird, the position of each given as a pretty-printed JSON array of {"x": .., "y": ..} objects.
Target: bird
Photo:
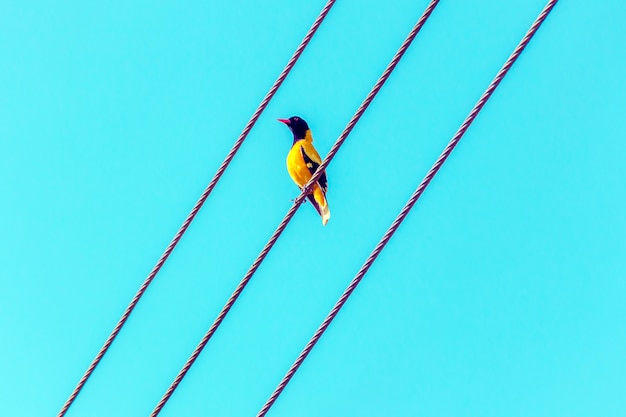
[{"x": 302, "y": 161}]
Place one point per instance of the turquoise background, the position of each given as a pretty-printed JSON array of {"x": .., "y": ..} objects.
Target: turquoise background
[{"x": 501, "y": 295}]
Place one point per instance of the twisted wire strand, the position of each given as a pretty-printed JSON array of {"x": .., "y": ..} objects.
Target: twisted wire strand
[
  {"x": 283, "y": 224},
  {"x": 196, "y": 208},
  {"x": 406, "y": 209}
]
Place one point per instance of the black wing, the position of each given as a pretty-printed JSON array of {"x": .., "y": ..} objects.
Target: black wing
[{"x": 312, "y": 166}]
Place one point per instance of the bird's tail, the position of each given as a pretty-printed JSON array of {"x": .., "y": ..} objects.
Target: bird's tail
[{"x": 318, "y": 199}]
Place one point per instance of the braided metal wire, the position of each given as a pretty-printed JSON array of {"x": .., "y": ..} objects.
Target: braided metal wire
[
  {"x": 283, "y": 224},
  {"x": 406, "y": 209},
  {"x": 196, "y": 208}
]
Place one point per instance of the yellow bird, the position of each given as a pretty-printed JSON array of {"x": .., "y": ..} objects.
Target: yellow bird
[{"x": 302, "y": 161}]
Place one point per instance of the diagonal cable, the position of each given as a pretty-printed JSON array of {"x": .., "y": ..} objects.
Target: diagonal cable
[
  {"x": 231, "y": 154},
  {"x": 407, "y": 208},
  {"x": 283, "y": 224}
]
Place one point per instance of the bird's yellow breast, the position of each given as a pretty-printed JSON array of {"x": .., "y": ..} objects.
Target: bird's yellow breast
[{"x": 296, "y": 166}]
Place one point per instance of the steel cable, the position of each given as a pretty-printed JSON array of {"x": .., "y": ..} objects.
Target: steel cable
[
  {"x": 179, "y": 234},
  {"x": 407, "y": 208},
  {"x": 283, "y": 224}
]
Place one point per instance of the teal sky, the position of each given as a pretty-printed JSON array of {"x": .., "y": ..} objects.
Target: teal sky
[{"x": 502, "y": 294}]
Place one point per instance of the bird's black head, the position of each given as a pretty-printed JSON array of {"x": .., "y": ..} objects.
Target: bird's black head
[{"x": 297, "y": 125}]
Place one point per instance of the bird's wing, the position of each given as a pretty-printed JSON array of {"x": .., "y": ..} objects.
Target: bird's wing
[{"x": 312, "y": 161}]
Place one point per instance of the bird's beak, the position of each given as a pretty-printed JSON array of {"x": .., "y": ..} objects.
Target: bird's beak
[{"x": 285, "y": 121}]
